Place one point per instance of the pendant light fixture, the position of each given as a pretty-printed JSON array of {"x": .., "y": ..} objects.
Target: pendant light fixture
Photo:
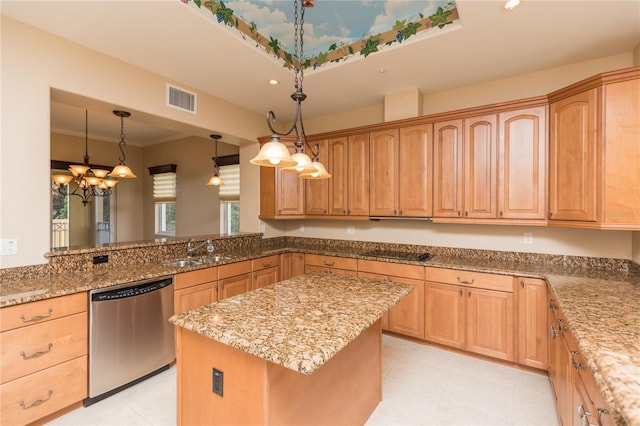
[
  {"x": 88, "y": 182},
  {"x": 274, "y": 153},
  {"x": 215, "y": 180},
  {"x": 122, "y": 170}
]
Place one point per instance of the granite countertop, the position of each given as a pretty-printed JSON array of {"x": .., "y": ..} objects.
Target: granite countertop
[
  {"x": 299, "y": 323},
  {"x": 600, "y": 304}
]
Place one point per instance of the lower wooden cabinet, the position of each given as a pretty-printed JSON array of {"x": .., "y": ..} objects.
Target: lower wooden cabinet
[
  {"x": 470, "y": 311},
  {"x": 266, "y": 271},
  {"x": 331, "y": 264},
  {"x": 532, "y": 323},
  {"x": 291, "y": 265}
]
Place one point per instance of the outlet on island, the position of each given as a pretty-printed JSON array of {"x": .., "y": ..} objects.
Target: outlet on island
[{"x": 217, "y": 382}]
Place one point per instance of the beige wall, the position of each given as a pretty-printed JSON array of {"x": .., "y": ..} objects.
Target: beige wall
[
  {"x": 636, "y": 55},
  {"x": 33, "y": 62},
  {"x": 636, "y": 247},
  {"x": 197, "y": 204}
]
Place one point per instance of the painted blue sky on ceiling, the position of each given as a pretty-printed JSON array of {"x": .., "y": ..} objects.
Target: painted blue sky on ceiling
[{"x": 333, "y": 29}]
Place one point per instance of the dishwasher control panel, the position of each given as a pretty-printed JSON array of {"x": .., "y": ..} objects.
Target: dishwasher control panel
[{"x": 130, "y": 291}]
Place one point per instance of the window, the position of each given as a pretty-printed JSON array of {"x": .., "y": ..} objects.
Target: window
[
  {"x": 164, "y": 195},
  {"x": 230, "y": 199}
]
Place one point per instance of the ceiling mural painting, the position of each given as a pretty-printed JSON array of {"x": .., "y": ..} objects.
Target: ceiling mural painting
[{"x": 334, "y": 30}]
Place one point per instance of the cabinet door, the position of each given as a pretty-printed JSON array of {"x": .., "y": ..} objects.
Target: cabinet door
[
  {"x": 490, "y": 323},
  {"x": 195, "y": 296},
  {"x": 383, "y": 173},
  {"x": 407, "y": 317},
  {"x": 532, "y": 323},
  {"x": 358, "y": 175},
  {"x": 572, "y": 157},
  {"x": 317, "y": 190},
  {"x": 291, "y": 265},
  {"x": 480, "y": 177},
  {"x": 447, "y": 169},
  {"x": 522, "y": 183},
  {"x": 289, "y": 191},
  {"x": 415, "y": 183},
  {"x": 338, "y": 184},
  {"x": 233, "y": 286},
  {"x": 265, "y": 277},
  {"x": 444, "y": 314}
]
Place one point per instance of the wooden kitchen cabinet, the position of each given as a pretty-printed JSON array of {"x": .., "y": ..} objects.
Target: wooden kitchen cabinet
[
  {"x": 594, "y": 178},
  {"x": 266, "y": 271},
  {"x": 331, "y": 264},
  {"x": 234, "y": 279},
  {"x": 43, "y": 358},
  {"x": 317, "y": 190},
  {"x": 532, "y": 323},
  {"x": 448, "y": 169},
  {"x": 400, "y": 172},
  {"x": 407, "y": 317},
  {"x": 470, "y": 310},
  {"x": 281, "y": 193},
  {"x": 349, "y": 166},
  {"x": 194, "y": 289},
  {"x": 522, "y": 164},
  {"x": 291, "y": 265}
]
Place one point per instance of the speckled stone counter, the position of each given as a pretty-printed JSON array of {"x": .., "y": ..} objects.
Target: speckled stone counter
[{"x": 298, "y": 323}]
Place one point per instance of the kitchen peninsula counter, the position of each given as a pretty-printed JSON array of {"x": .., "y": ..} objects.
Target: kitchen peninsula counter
[{"x": 302, "y": 350}]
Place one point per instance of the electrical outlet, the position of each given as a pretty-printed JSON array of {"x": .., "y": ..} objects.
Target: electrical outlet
[
  {"x": 262, "y": 227},
  {"x": 351, "y": 230},
  {"x": 528, "y": 238},
  {"x": 8, "y": 247},
  {"x": 301, "y": 228},
  {"x": 218, "y": 377}
]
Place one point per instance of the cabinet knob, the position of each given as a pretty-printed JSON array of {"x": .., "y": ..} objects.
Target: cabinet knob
[
  {"x": 469, "y": 294},
  {"x": 466, "y": 213},
  {"x": 521, "y": 283},
  {"x": 553, "y": 332},
  {"x": 500, "y": 213},
  {"x": 458, "y": 213},
  {"x": 574, "y": 363},
  {"x": 460, "y": 292},
  {"x": 549, "y": 214}
]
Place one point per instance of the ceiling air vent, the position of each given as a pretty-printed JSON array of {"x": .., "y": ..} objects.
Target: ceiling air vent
[{"x": 181, "y": 99}]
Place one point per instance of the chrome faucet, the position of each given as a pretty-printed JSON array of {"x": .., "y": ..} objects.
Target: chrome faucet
[{"x": 191, "y": 248}]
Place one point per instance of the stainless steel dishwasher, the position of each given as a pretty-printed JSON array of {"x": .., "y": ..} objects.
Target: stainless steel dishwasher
[{"x": 130, "y": 337}]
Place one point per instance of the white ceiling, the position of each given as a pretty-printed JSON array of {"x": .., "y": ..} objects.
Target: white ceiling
[{"x": 186, "y": 44}]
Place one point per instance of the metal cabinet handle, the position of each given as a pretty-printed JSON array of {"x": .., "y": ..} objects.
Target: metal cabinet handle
[
  {"x": 469, "y": 294},
  {"x": 36, "y": 402},
  {"x": 549, "y": 214},
  {"x": 553, "y": 332},
  {"x": 574, "y": 363},
  {"x": 460, "y": 292},
  {"x": 600, "y": 411},
  {"x": 461, "y": 281},
  {"x": 328, "y": 263},
  {"x": 266, "y": 265},
  {"x": 521, "y": 283},
  {"x": 500, "y": 213},
  {"x": 37, "y": 317},
  {"x": 561, "y": 328},
  {"x": 458, "y": 213},
  {"x": 552, "y": 304},
  {"x": 36, "y": 354},
  {"x": 466, "y": 213}
]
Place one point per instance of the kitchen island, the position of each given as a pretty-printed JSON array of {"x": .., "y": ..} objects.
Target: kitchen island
[{"x": 302, "y": 351}]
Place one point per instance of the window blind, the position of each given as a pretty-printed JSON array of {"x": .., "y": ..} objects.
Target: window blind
[
  {"x": 164, "y": 187},
  {"x": 230, "y": 175}
]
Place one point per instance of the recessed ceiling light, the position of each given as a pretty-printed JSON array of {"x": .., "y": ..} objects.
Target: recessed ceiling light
[
  {"x": 510, "y": 5},
  {"x": 273, "y": 82}
]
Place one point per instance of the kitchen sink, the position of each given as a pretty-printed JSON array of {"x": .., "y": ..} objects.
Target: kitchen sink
[
  {"x": 214, "y": 259},
  {"x": 183, "y": 263}
]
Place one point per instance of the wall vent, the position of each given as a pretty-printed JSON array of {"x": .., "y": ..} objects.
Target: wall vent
[{"x": 181, "y": 99}]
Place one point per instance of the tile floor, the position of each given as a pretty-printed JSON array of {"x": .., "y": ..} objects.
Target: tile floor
[{"x": 422, "y": 385}]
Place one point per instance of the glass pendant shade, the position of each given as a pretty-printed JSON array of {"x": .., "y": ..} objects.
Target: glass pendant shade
[
  {"x": 100, "y": 172},
  {"x": 273, "y": 154},
  {"x": 62, "y": 179},
  {"x": 122, "y": 171},
  {"x": 215, "y": 181},
  {"x": 303, "y": 165},
  {"x": 78, "y": 169},
  {"x": 109, "y": 183},
  {"x": 319, "y": 173}
]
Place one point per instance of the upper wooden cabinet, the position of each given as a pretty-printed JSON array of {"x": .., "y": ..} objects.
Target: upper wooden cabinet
[
  {"x": 400, "y": 172},
  {"x": 317, "y": 190},
  {"x": 281, "y": 194},
  {"x": 594, "y": 154},
  {"x": 349, "y": 165}
]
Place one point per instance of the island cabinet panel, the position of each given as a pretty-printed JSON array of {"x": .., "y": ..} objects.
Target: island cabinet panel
[
  {"x": 532, "y": 323},
  {"x": 281, "y": 193},
  {"x": 407, "y": 317},
  {"x": 43, "y": 358},
  {"x": 470, "y": 310},
  {"x": 345, "y": 390},
  {"x": 331, "y": 264},
  {"x": 266, "y": 271},
  {"x": 522, "y": 169},
  {"x": 291, "y": 265},
  {"x": 572, "y": 157},
  {"x": 317, "y": 190}
]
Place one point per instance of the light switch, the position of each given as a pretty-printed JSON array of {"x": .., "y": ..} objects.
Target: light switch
[
  {"x": 528, "y": 238},
  {"x": 8, "y": 247},
  {"x": 351, "y": 230}
]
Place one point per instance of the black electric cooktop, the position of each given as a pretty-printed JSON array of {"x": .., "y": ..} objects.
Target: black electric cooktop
[{"x": 402, "y": 255}]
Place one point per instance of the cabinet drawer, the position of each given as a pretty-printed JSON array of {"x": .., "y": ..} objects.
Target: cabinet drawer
[
  {"x": 192, "y": 278},
  {"x": 470, "y": 279},
  {"x": 37, "y": 395},
  {"x": 265, "y": 262},
  {"x": 391, "y": 269},
  {"x": 331, "y": 261},
  {"x": 43, "y": 310},
  {"x": 233, "y": 269},
  {"x": 27, "y": 350}
]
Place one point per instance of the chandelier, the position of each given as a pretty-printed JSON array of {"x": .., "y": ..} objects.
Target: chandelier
[
  {"x": 274, "y": 153},
  {"x": 89, "y": 182}
]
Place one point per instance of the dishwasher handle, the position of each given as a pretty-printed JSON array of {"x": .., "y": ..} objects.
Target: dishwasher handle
[{"x": 130, "y": 290}]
